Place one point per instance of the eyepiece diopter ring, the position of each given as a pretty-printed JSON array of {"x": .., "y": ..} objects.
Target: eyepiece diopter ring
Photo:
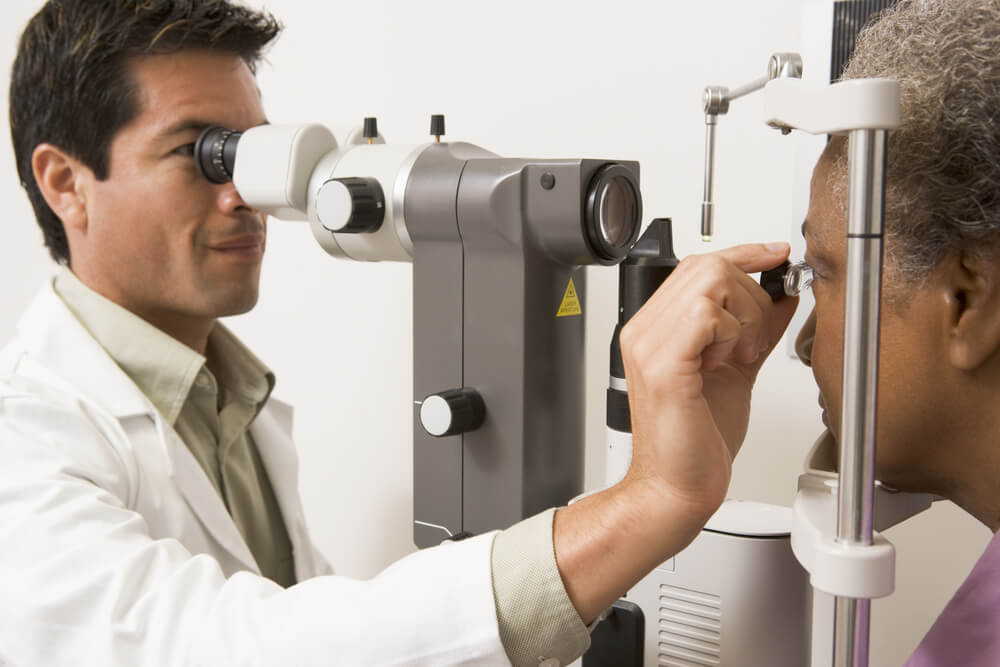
[{"x": 215, "y": 153}]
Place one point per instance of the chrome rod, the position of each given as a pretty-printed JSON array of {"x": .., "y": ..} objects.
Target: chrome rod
[
  {"x": 855, "y": 615},
  {"x": 746, "y": 89},
  {"x": 706, "y": 202},
  {"x": 866, "y": 189},
  {"x": 715, "y": 103}
]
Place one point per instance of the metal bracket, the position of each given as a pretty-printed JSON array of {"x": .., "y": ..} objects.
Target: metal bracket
[{"x": 716, "y": 101}]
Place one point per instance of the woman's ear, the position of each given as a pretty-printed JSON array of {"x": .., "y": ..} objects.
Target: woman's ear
[
  {"x": 60, "y": 179},
  {"x": 972, "y": 306}
]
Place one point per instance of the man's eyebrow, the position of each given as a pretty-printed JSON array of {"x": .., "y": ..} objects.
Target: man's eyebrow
[
  {"x": 189, "y": 124},
  {"x": 186, "y": 125}
]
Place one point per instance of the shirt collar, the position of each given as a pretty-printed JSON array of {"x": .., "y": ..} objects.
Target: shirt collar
[
  {"x": 240, "y": 372},
  {"x": 162, "y": 367}
]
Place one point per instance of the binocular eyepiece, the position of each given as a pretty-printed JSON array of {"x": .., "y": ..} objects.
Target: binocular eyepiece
[{"x": 215, "y": 153}]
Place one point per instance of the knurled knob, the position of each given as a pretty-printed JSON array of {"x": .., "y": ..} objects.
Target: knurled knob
[
  {"x": 452, "y": 412},
  {"x": 437, "y": 125},
  {"x": 351, "y": 205}
]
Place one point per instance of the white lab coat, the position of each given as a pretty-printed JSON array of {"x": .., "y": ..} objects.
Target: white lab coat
[{"x": 115, "y": 549}]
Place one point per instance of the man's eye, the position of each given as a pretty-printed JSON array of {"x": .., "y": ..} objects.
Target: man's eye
[{"x": 187, "y": 150}]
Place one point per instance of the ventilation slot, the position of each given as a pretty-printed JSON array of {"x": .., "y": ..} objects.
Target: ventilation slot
[{"x": 690, "y": 628}]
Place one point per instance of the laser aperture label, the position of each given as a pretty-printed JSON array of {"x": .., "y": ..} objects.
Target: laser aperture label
[{"x": 571, "y": 302}]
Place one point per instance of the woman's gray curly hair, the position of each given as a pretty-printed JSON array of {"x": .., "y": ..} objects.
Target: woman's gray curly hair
[{"x": 944, "y": 162}]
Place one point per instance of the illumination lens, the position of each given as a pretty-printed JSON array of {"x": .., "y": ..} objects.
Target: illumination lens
[{"x": 617, "y": 219}]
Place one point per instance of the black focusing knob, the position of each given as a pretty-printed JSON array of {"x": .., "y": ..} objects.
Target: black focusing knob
[
  {"x": 452, "y": 412},
  {"x": 351, "y": 205},
  {"x": 371, "y": 128},
  {"x": 773, "y": 281},
  {"x": 437, "y": 125}
]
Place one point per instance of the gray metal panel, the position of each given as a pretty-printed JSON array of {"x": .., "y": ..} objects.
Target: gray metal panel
[
  {"x": 494, "y": 252},
  {"x": 526, "y": 362},
  {"x": 437, "y": 332}
]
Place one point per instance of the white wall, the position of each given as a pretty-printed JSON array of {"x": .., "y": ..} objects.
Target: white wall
[{"x": 562, "y": 78}]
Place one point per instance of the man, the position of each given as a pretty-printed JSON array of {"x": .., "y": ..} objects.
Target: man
[
  {"x": 939, "y": 374},
  {"x": 148, "y": 502}
]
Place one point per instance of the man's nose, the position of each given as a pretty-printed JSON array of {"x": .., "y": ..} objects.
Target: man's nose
[
  {"x": 804, "y": 342},
  {"x": 230, "y": 201}
]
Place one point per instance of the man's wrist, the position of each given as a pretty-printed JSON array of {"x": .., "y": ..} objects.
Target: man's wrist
[
  {"x": 658, "y": 504},
  {"x": 606, "y": 542}
]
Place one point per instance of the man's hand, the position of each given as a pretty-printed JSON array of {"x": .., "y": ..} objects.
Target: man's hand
[{"x": 691, "y": 356}]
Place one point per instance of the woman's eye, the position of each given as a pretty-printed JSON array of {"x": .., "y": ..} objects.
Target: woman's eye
[{"x": 187, "y": 150}]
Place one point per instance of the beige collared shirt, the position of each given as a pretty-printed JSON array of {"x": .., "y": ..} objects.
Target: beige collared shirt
[
  {"x": 211, "y": 402},
  {"x": 211, "y": 411}
]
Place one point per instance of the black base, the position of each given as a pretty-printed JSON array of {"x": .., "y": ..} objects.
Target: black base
[{"x": 617, "y": 641}]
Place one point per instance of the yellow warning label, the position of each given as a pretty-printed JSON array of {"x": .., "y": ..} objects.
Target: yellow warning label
[{"x": 570, "y": 303}]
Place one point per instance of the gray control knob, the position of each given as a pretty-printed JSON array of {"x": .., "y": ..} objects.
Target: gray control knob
[
  {"x": 351, "y": 205},
  {"x": 452, "y": 412}
]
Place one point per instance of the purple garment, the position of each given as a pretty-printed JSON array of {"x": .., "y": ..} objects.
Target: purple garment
[{"x": 967, "y": 632}]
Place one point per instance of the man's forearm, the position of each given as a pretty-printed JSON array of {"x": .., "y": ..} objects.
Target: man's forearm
[{"x": 606, "y": 543}]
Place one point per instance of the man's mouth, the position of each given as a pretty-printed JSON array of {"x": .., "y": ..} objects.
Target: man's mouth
[{"x": 245, "y": 245}]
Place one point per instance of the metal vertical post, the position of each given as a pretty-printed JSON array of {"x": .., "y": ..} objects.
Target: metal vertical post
[
  {"x": 706, "y": 203},
  {"x": 866, "y": 183}
]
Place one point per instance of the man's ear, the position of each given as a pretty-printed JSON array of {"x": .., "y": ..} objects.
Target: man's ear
[
  {"x": 972, "y": 297},
  {"x": 60, "y": 179}
]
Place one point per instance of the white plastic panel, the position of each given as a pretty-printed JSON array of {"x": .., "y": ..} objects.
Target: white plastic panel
[
  {"x": 618, "y": 456},
  {"x": 390, "y": 165},
  {"x": 839, "y": 569},
  {"x": 274, "y": 164},
  {"x": 727, "y": 601},
  {"x": 859, "y": 104},
  {"x": 751, "y": 519}
]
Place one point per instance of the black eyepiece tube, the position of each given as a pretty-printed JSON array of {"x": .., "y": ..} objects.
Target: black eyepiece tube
[{"x": 215, "y": 153}]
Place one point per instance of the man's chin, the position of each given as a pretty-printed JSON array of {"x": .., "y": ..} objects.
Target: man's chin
[{"x": 237, "y": 304}]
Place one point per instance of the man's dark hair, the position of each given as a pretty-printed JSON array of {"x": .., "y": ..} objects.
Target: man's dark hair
[{"x": 71, "y": 85}]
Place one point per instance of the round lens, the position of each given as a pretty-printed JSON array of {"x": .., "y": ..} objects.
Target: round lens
[
  {"x": 612, "y": 212},
  {"x": 617, "y": 217},
  {"x": 798, "y": 278}
]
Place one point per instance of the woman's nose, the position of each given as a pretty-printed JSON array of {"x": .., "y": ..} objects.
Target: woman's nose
[{"x": 804, "y": 342}]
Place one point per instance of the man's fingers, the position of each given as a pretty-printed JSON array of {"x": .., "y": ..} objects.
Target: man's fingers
[
  {"x": 782, "y": 312},
  {"x": 754, "y": 257},
  {"x": 725, "y": 313},
  {"x": 728, "y": 333}
]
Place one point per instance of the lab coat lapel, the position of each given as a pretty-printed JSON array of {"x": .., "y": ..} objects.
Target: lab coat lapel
[
  {"x": 53, "y": 338},
  {"x": 50, "y": 332},
  {"x": 203, "y": 499},
  {"x": 271, "y": 432}
]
